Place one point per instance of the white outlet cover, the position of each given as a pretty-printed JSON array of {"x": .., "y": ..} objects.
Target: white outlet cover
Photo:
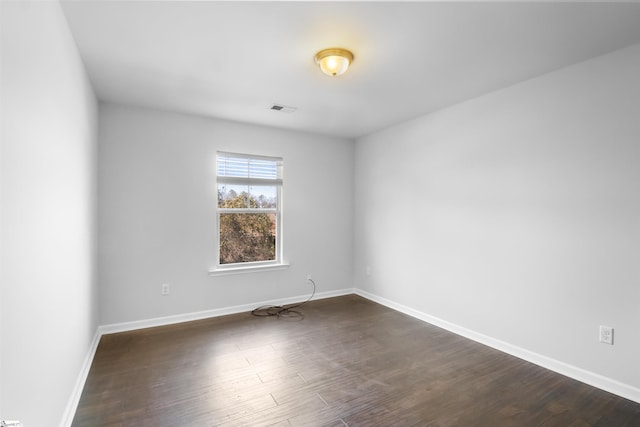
[
  {"x": 606, "y": 334},
  {"x": 165, "y": 289}
]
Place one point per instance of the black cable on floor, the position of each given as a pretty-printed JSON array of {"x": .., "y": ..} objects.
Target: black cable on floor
[{"x": 284, "y": 310}]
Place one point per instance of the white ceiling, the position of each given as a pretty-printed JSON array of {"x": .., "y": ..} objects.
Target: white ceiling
[{"x": 233, "y": 60}]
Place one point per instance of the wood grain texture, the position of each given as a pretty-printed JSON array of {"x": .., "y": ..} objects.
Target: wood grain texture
[{"x": 349, "y": 362}]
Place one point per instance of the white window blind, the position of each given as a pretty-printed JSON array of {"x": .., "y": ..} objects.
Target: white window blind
[{"x": 242, "y": 169}]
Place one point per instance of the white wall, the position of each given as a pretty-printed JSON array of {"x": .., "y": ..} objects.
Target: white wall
[
  {"x": 157, "y": 204},
  {"x": 516, "y": 215},
  {"x": 49, "y": 131}
]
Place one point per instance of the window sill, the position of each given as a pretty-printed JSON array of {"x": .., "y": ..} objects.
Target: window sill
[{"x": 251, "y": 269}]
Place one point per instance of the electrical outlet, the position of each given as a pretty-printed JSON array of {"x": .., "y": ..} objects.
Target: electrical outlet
[
  {"x": 309, "y": 277},
  {"x": 165, "y": 289},
  {"x": 606, "y": 334}
]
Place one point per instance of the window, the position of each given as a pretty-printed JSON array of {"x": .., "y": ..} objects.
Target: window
[{"x": 249, "y": 219}]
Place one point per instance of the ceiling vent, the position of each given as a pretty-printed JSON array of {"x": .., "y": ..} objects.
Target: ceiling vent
[{"x": 283, "y": 108}]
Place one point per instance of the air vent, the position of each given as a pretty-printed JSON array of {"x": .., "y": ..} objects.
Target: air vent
[{"x": 283, "y": 108}]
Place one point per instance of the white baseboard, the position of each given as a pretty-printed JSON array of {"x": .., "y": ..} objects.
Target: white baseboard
[
  {"x": 76, "y": 393},
  {"x": 607, "y": 384},
  {"x": 216, "y": 312}
]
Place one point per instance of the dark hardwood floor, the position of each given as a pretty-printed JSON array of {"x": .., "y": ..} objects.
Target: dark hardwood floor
[{"x": 349, "y": 362}]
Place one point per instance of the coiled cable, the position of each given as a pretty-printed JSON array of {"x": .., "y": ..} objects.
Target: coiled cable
[{"x": 284, "y": 310}]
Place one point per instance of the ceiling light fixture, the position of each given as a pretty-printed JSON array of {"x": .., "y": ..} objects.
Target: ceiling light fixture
[{"x": 334, "y": 61}]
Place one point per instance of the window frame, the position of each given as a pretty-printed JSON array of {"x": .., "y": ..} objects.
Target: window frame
[{"x": 276, "y": 182}]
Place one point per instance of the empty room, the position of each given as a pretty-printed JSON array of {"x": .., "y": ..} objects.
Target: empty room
[{"x": 320, "y": 213}]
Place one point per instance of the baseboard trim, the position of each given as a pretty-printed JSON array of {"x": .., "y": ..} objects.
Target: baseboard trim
[
  {"x": 216, "y": 312},
  {"x": 76, "y": 393},
  {"x": 604, "y": 383}
]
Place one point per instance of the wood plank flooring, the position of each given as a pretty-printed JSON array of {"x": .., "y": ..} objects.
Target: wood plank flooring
[{"x": 349, "y": 362}]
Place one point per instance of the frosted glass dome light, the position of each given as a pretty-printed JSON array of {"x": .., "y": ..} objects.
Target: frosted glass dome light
[{"x": 335, "y": 61}]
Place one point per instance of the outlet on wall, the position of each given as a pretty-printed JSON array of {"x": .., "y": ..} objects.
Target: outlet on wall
[
  {"x": 309, "y": 278},
  {"x": 164, "y": 290},
  {"x": 606, "y": 334}
]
